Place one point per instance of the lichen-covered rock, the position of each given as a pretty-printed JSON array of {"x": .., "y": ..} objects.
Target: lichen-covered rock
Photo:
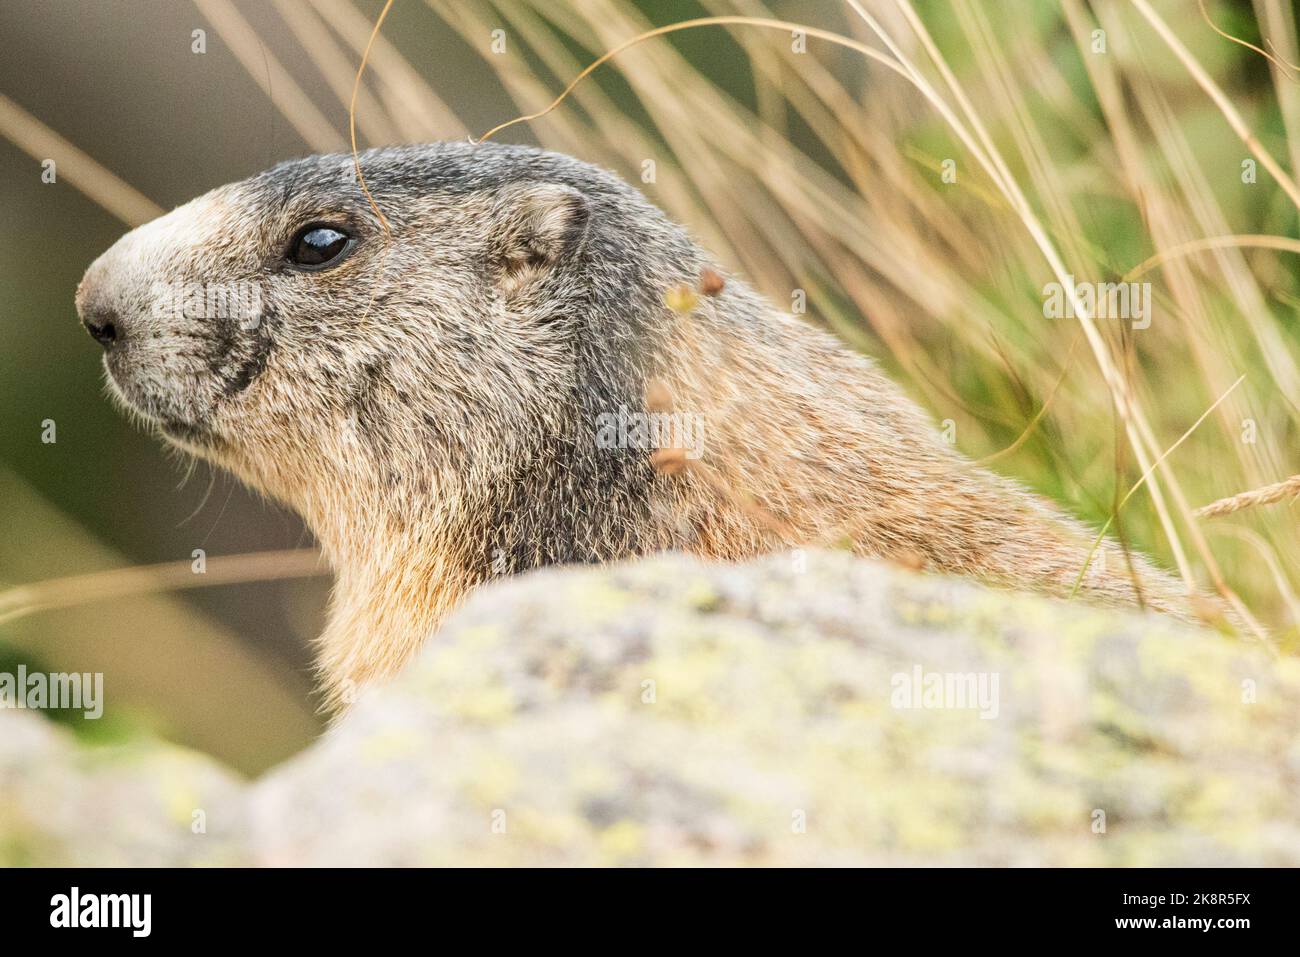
[
  {"x": 814, "y": 709},
  {"x": 145, "y": 804}
]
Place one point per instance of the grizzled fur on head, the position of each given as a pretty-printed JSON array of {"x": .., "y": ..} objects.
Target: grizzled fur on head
[
  {"x": 455, "y": 354},
  {"x": 429, "y": 403}
]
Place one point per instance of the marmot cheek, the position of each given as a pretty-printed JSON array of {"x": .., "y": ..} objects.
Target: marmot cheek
[{"x": 238, "y": 350}]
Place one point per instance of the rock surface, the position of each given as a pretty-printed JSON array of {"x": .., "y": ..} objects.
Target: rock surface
[{"x": 668, "y": 712}]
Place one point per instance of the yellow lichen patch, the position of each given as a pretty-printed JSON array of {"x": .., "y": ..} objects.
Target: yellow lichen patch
[
  {"x": 602, "y": 600},
  {"x": 554, "y": 829},
  {"x": 592, "y": 779},
  {"x": 390, "y": 745},
  {"x": 1218, "y": 798},
  {"x": 180, "y": 800},
  {"x": 1044, "y": 806},
  {"x": 492, "y": 704},
  {"x": 450, "y": 663},
  {"x": 701, "y": 595},
  {"x": 622, "y": 840},
  {"x": 930, "y": 824},
  {"x": 684, "y": 681},
  {"x": 491, "y": 781}
]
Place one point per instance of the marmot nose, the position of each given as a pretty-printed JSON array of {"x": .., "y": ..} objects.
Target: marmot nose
[{"x": 102, "y": 323}]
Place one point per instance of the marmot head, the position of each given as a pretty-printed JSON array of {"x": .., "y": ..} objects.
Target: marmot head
[{"x": 281, "y": 327}]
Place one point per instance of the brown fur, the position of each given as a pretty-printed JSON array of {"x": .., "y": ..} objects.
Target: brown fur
[{"x": 430, "y": 405}]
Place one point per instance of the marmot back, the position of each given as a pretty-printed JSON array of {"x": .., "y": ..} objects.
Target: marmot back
[{"x": 492, "y": 376}]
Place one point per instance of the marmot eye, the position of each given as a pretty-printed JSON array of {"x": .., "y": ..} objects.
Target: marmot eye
[{"x": 319, "y": 246}]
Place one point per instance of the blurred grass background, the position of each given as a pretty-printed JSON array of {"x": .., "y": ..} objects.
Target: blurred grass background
[{"x": 819, "y": 171}]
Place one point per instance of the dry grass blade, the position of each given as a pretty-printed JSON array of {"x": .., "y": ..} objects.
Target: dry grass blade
[
  {"x": 1139, "y": 432},
  {"x": 1268, "y": 495},
  {"x": 1284, "y": 68},
  {"x": 1283, "y": 243},
  {"x": 307, "y": 27},
  {"x": 1023, "y": 437},
  {"x": 414, "y": 106},
  {"x": 352, "y": 119},
  {"x": 148, "y": 579},
  {"x": 604, "y": 58},
  {"x": 276, "y": 82},
  {"x": 1220, "y": 99},
  {"x": 1146, "y": 475},
  {"x": 41, "y": 143}
]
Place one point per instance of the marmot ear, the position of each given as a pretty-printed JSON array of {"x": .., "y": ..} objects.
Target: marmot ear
[{"x": 539, "y": 224}]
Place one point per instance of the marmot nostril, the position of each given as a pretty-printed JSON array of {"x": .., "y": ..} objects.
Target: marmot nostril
[{"x": 103, "y": 325}]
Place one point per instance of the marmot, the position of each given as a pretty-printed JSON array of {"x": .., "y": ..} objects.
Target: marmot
[{"x": 480, "y": 381}]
